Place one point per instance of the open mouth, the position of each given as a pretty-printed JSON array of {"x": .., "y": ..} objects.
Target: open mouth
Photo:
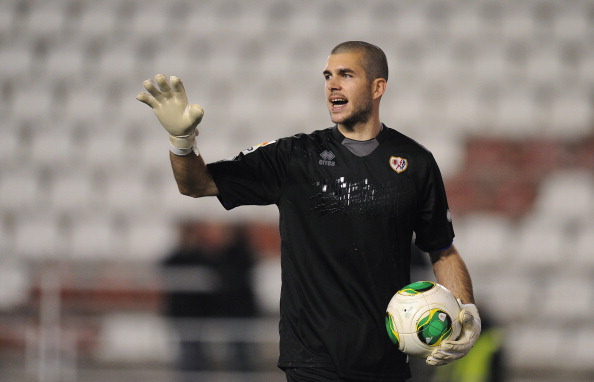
[{"x": 338, "y": 102}]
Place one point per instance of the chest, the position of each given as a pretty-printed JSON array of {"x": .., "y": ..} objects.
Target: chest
[{"x": 333, "y": 181}]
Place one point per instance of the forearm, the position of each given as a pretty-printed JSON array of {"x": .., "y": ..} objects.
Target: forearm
[
  {"x": 192, "y": 176},
  {"x": 451, "y": 272}
]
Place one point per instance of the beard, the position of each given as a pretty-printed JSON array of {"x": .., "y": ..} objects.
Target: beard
[{"x": 361, "y": 110}]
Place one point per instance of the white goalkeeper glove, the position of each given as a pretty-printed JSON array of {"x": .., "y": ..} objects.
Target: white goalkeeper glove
[
  {"x": 170, "y": 104},
  {"x": 449, "y": 351}
]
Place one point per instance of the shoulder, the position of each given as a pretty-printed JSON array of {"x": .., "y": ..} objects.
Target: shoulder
[
  {"x": 314, "y": 136},
  {"x": 406, "y": 143},
  {"x": 306, "y": 141},
  {"x": 407, "y": 153}
]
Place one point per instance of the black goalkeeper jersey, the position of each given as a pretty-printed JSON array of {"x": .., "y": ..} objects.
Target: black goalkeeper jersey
[{"x": 346, "y": 225}]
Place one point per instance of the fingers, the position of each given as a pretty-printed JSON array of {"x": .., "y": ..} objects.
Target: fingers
[
  {"x": 434, "y": 362},
  {"x": 160, "y": 94},
  {"x": 163, "y": 85},
  {"x": 437, "y": 360},
  {"x": 196, "y": 113},
  {"x": 443, "y": 356},
  {"x": 466, "y": 317},
  {"x": 178, "y": 87},
  {"x": 456, "y": 347},
  {"x": 147, "y": 99}
]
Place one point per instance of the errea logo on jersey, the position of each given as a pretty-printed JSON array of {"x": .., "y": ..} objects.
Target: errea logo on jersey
[
  {"x": 327, "y": 157},
  {"x": 398, "y": 164}
]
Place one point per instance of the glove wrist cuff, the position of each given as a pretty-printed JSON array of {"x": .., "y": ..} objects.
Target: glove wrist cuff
[
  {"x": 183, "y": 145},
  {"x": 183, "y": 141}
]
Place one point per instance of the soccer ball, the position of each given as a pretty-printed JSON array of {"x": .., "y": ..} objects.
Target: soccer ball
[{"x": 422, "y": 315}]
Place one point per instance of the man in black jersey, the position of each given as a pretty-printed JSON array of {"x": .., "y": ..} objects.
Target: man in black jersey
[{"x": 350, "y": 199}]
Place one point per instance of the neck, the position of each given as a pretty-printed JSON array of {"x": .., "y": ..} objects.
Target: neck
[{"x": 361, "y": 132}]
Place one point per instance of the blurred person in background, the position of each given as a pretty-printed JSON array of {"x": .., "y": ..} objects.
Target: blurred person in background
[
  {"x": 350, "y": 199},
  {"x": 208, "y": 276}
]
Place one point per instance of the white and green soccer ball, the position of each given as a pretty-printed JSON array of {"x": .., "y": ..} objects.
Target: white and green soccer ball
[{"x": 421, "y": 316}]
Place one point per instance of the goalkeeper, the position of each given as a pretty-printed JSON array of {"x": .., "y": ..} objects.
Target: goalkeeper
[{"x": 350, "y": 199}]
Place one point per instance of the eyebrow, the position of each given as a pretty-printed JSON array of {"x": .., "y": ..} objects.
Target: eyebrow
[{"x": 340, "y": 71}]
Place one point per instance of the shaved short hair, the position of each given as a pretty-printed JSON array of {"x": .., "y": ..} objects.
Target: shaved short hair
[{"x": 374, "y": 62}]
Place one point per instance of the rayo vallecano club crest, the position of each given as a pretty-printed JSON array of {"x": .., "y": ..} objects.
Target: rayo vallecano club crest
[{"x": 398, "y": 164}]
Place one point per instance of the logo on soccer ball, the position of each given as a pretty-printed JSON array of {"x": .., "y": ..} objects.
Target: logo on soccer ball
[
  {"x": 398, "y": 164},
  {"x": 434, "y": 327}
]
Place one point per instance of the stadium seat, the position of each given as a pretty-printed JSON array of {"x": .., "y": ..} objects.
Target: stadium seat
[
  {"x": 126, "y": 193},
  {"x": 134, "y": 337},
  {"x": 9, "y": 143},
  {"x": 483, "y": 241},
  {"x": 507, "y": 296},
  {"x": 72, "y": 192},
  {"x": 571, "y": 115},
  {"x": 47, "y": 19},
  {"x": 517, "y": 115},
  {"x": 98, "y": 19},
  {"x": 32, "y": 100},
  {"x": 21, "y": 190},
  {"x": 66, "y": 62},
  {"x": 53, "y": 148},
  {"x": 447, "y": 147},
  {"x": 38, "y": 238},
  {"x": 19, "y": 59},
  {"x": 581, "y": 255},
  {"x": 142, "y": 22},
  {"x": 541, "y": 245},
  {"x": 105, "y": 149},
  {"x": 16, "y": 283},
  {"x": 527, "y": 348},
  {"x": 148, "y": 239},
  {"x": 578, "y": 342},
  {"x": 563, "y": 186},
  {"x": 561, "y": 293},
  {"x": 94, "y": 238}
]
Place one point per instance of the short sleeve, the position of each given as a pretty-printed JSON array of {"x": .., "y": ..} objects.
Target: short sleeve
[
  {"x": 433, "y": 226},
  {"x": 254, "y": 177}
]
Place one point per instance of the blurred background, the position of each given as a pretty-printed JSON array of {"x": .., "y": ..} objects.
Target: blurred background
[{"x": 101, "y": 258}]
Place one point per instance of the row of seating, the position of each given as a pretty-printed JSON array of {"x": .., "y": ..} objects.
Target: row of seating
[{"x": 565, "y": 18}]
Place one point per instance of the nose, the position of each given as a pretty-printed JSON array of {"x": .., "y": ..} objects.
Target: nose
[{"x": 332, "y": 84}]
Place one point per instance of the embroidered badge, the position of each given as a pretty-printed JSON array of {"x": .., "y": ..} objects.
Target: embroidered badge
[
  {"x": 398, "y": 164},
  {"x": 252, "y": 149}
]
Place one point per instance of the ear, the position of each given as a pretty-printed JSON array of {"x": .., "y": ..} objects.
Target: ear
[{"x": 378, "y": 88}]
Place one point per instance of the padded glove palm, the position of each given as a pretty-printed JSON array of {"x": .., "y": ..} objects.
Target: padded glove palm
[{"x": 170, "y": 105}]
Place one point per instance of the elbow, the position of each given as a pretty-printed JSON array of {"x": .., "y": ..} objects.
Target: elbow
[
  {"x": 197, "y": 191},
  {"x": 190, "y": 192}
]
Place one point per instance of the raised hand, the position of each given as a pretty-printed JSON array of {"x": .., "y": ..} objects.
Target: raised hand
[{"x": 170, "y": 104}]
